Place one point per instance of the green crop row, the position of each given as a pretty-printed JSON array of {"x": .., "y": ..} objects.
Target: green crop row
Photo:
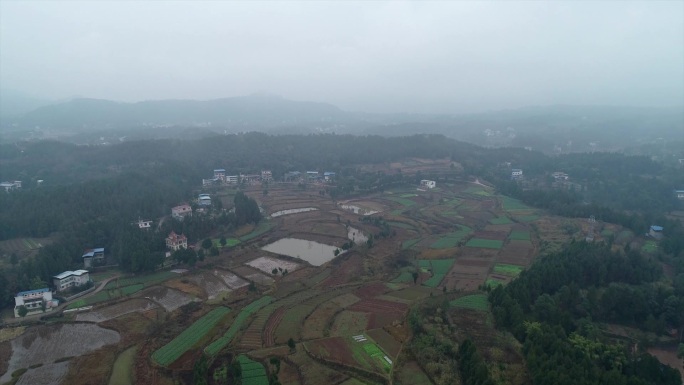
[
  {"x": 519, "y": 236},
  {"x": 485, "y": 243},
  {"x": 248, "y": 310},
  {"x": 252, "y": 372},
  {"x": 475, "y": 301},
  {"x": 435, "y": 280},
  {"x": 170, "y": 352},
  {"x": 263, "y": 227},
  {"x": 512, "y": 270}
]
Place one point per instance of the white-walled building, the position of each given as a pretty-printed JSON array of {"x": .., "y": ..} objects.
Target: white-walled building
[
  {"x": 34, "y": 301},
  {"x": 428, "y": 183},
  {"x": 182, "y": 211},
  {"x": 69, "y": 279},
  {"x": 204, "y": 200},
  {"x": 516, "y": 173},
  {"x": 10, "y": 186}
]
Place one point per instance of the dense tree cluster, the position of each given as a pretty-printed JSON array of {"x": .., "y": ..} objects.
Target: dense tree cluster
[{"x": 552, "y": 306}]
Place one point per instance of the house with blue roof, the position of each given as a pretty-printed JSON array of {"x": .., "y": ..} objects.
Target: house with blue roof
[
  {"x": 656, "y": 232},
  {"x": 204, "y": 200},
  {"x": 35, "y": 301},
  {"x": 93, "y": 257}
]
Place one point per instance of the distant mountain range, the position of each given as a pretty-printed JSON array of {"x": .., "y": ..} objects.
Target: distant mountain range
[
  {"x": 265, "y": 110},
  {"x": 548, "y": 128}
]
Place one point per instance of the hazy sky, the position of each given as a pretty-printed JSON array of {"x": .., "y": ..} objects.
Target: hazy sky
[{"x": 373, "y": 56}]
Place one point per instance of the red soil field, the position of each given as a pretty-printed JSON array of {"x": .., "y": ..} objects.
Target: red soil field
[
  {"x": 332, "y": 349},
  {"x": 371, "y": 290},
  {"x": 382, "y": 319},
  {"x": 386, "y": 342},
  {"x": 473, "y": 262},
  {"x": 345, "y": 272},
  {"x": 498, "y": 235},
  {"x": 380, "y": 312},
  {"x": 271, "y": 325}
]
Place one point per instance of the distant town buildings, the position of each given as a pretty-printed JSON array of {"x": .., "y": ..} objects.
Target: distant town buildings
[
  {"x": 266, "y": 176},
  {"x": 560, "y": 176},
  {"x": 11, "y": 186},
  {"x": 679, "y": 194},
  {"x": 516, "y": 173}
]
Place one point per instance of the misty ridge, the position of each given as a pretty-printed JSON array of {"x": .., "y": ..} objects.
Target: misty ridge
[{"x": 559, "y": 128}]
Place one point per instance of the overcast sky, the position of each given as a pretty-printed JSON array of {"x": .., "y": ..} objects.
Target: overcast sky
[{"x": 381, "y": 56}]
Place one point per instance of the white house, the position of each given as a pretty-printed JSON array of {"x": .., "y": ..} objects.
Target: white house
[
  {"x": 679, "y": 194},
  {"x": 516, "y": 173},
  {"x": 251, "y": 178},
  {"x": 220, "y": 174},
  {"x": 328, "y": 175},
  {"x": 232, "y": 179},
  {"x": 428, "y": 183},
  {"x": 559, "y": 175},
  {"x": 144, "y": 224},
  {"x": 266, "y": 175},
  {"x": 182, "y": 211},
  {"x": 176, "y": 242},
  {"x": 69, "y": 279},
  {"x": 34, "y": 301},
  {"x": 204, "y": 200}
]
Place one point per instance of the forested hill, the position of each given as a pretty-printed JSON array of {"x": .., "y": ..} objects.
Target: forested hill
[
  {"x": 550, "y": 129},
  {"x": 255, "y": 109}
]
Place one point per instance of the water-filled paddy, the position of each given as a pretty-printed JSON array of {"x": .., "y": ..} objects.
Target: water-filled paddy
[{"x": 310, "y": 251}]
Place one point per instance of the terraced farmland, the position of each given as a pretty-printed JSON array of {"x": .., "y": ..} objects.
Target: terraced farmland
[
  {"x": 452, "y": 239},
  {"x": 227, "y": 337},
  {"x": 251, "y": 372},
  {"x": 485, "y": 243},
  {"x": 170, "y": 352}
]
